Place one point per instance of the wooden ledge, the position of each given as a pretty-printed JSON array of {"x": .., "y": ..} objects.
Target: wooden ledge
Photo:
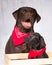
[
  {"x": 22, "y": 55},
  {"x": 13, "y": 59}
]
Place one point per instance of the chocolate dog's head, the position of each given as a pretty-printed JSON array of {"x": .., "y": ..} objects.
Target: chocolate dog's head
[
  {"x": 34, "y": 41},
  {"x": 25, "y": 17}
]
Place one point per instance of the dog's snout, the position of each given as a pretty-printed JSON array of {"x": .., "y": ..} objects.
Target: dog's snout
[{"x": 28, "y": 20}]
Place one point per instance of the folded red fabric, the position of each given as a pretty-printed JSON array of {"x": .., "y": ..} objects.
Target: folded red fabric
[
  {"x": 34, "y": 53},
  {"x": 18, "y": 36}
]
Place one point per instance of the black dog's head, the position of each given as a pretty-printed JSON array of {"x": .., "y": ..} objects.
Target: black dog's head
[
  {"x": 34, "y": 41},
  {"x": 25, "y": 17}
]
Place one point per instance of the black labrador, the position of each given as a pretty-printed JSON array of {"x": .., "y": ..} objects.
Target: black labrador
[{"x": 36, "y": 46}]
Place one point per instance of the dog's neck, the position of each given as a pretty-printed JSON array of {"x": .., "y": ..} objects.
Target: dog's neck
[
  {"x": 24, "y": 29},
  {"x": 18, "y": 36}
]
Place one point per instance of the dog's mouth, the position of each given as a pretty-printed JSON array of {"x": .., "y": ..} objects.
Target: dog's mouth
[
  {"x": 28, "y": 20},
  {"x": 26, "y": 24}
]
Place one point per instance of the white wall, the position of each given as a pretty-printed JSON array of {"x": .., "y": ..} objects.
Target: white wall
[{"x": 7, "y": 22}]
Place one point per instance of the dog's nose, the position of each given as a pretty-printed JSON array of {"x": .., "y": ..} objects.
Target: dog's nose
[{"x": 28, "y": 20}]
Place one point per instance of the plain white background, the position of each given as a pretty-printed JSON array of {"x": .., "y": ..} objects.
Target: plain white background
[{"x": 7, "y": 21}]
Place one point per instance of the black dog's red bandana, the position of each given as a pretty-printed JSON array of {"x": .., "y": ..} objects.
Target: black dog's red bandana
[
  {"x": 18, "y": 36},
  {"x": 35, "y": 53}
]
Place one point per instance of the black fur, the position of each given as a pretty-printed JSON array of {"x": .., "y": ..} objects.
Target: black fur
[{"x": 36, "y": 41}]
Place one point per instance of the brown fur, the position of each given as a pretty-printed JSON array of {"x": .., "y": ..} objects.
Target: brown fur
[{"x": 26, "y": 14}]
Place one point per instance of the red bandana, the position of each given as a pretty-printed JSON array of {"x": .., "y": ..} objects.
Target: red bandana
[
  {"x": 34, "y": 53},
  {"x": 18, "y": 36}
]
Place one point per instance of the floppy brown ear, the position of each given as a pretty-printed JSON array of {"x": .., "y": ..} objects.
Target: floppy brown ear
[
  {"x": 15, "y": 14},
  {"x": 38, "y": 18}
]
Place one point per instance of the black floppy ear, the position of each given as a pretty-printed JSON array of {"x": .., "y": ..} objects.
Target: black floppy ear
[
  {"x": 42, "y": 42},
  {"x": 26, "y": 40},
  {"x": 15, "y": 14},
  {"x": 38, "y": 18}
]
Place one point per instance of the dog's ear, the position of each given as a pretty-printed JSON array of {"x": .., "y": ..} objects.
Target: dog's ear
[
  {"x": 26, "y": 40},
  {"x": 15, "y": 14},
  {"x": 38, "y": 17},
  {"x": 42, "y": 42}
]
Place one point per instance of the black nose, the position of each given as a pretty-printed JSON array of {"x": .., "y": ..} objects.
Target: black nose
[{"x": 28, "y": 20}]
